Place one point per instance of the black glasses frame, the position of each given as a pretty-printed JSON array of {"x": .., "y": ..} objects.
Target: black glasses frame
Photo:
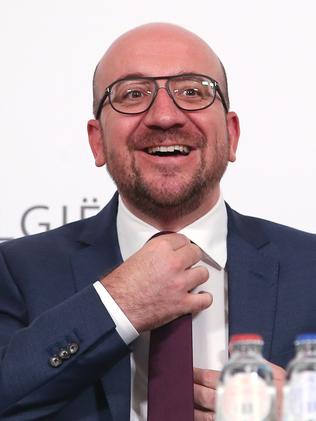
[{"x": 108, "y": 90}]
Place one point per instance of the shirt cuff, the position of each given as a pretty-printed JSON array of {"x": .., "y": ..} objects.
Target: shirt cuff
[{"x": 123, "y": 326}]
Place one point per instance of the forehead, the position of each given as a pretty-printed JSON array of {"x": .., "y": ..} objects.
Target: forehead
[{"x": 157, "y": 53}]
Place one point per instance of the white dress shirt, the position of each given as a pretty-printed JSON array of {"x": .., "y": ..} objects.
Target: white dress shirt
[{"x": 210, "y": 327}]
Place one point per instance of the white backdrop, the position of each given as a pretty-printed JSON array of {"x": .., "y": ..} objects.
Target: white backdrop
[{"x": 49, "y": 49}]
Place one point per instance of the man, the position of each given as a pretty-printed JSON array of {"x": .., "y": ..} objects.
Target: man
[{"x": 73, "y": 347}]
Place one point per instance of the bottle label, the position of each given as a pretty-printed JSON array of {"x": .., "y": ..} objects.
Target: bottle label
[
  {"x": 301, "y": 396},
  {"x": 246, "y": 397}
]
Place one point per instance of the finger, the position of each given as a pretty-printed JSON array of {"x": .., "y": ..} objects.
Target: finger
[
  {"x": 278, "y": 372},
  {"x": 174, "y": 240},
  {"x": 204, "y": 397},
  {"x": 200, "y": 415},
  {"x": 189, "y": 255},
  {"x": 197, "y": 302},
  {"x": 196, "y": 276},
  {"x": 204, "y": 377},
  {"x": 279, "y": 375}
]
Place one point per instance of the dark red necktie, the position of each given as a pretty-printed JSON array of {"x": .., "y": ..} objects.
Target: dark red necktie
[{"x": 170, "y": 372}]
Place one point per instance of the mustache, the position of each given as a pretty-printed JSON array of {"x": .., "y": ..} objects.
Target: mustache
[{"x": 160, "y": 137}]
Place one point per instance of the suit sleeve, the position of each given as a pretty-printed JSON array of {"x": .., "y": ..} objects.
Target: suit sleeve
[{"x": 79, "y": 325}]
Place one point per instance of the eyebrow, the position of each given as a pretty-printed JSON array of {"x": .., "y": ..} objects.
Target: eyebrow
[
  {"x": 136, "y": 74},
  {"x": 140, "y": 74}
]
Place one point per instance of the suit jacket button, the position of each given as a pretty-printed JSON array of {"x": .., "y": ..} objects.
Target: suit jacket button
[
  {"x": 55, "y": 361},
  {"x": 72, "y": 348},
  {"x": 64, "y": 354}
]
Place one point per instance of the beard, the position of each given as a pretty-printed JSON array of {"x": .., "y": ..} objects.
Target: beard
[{"x": 177, "y": 196}]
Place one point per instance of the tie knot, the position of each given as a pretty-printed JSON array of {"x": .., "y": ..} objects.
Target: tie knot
[{"x": 158, "y": 234}]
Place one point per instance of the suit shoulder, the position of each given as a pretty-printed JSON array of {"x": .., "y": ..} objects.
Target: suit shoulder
[
  {"x": 280, "y": 234},
  {"x": 61, "y": 242},
  {"x": 55, "y": 238}
]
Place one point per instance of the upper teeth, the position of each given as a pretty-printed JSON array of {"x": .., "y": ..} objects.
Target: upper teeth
[{"x": 173, "y": 148}]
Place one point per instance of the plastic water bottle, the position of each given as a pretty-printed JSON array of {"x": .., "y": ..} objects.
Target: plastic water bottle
[
  {"x": 246, "y": 389},
  {"x": 300, "y": 390}
]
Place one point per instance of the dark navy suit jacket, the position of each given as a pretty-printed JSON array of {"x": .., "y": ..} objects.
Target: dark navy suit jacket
[{"x": 47, "y": 301}]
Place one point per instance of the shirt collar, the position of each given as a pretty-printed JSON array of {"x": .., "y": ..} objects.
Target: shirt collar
[{"x": 209, "y": 232}]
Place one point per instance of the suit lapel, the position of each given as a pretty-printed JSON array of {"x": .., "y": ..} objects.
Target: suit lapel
[
  {"x": 99, "y": 255},
  {"x": 253, "y": 267},
  {"x": 99, "y": 252},
  {"x": 94, "y": 261}
]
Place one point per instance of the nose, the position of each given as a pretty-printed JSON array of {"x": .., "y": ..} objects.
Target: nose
[{"x": 163, "y": 113}]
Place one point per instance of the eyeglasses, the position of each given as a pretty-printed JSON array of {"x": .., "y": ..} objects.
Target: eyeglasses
[{"x": 135, "y": 95}]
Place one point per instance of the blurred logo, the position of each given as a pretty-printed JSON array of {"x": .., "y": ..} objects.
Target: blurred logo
[{"x": 41, "y": 218}]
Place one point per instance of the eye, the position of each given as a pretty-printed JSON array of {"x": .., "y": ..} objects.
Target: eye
[
  {"x": 129, "y": 91},
  {"x": 135, "y": 94},
  {"x": 191, "y": 92},
  {"x": 188, "y": 93}
]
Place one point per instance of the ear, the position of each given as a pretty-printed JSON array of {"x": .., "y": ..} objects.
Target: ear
[
  {"x": 96, "y": 142},
  {"x": 233, "y": 134}
]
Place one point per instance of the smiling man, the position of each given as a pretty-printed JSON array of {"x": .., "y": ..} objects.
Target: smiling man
[
  {"x": 77, "y": 304},
  {"x": 159, "y": 185}
]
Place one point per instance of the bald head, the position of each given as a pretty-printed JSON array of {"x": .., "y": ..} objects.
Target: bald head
[{"x": 157, "y": 49}]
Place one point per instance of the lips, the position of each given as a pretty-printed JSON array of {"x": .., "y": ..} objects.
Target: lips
[{"x": 170, "y": 150}]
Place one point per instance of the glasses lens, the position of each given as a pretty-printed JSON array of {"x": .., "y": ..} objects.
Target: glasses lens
[
  {"x": 132, "y": 96},
  {"x": 192, "y": 92}
]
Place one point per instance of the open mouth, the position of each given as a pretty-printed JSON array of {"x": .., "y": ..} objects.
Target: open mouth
[{"x": 174, "y": 150}]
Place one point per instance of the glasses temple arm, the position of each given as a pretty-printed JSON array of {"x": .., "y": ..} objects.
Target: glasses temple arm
[{"x": 101, "y": 103}]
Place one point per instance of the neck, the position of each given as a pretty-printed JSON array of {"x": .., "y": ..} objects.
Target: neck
[{"x": 173, "y": 219}]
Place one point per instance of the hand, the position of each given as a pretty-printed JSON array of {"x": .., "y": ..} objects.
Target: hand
[
  {"x": 205, "y": 383},
  {"x": 153, "y": 286},
  {"x": 279, "y": 379}
]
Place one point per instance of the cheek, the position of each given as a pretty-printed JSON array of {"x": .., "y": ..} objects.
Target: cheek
[
  {"x": 210, "y": 122},
  {"x": 118, "y": 128},
  {"x": 218, "y": 147}
]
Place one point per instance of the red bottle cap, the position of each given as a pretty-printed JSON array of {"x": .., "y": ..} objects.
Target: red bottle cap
[{"x": 245, "y": 337}]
